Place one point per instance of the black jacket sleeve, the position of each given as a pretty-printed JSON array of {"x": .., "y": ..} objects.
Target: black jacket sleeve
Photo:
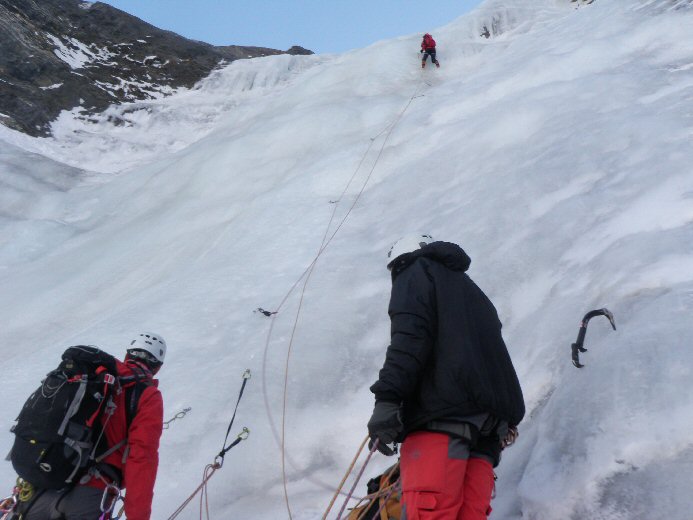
[{"x": 413, "y": 328}]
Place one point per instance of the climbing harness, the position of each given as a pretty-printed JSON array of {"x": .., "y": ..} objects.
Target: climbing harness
[
  {"x": 577, "y": 347},
  {"x": 179, "y": 415},
  {"x": 305, "y": 276},
  {"x": 210, "y": 469}
]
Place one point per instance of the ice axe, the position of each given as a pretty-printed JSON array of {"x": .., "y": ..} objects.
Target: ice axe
[{"x": 577, "y": 346}]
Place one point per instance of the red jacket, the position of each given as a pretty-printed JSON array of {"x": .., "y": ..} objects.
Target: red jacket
[
  {"x": 428, "y": 42},
  {"x": 142, "y": 462}
]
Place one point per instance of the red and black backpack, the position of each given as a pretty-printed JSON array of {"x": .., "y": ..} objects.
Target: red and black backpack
[{"x": 59, "y": 429}]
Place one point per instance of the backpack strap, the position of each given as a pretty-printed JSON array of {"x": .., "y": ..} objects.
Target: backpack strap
[
  {"x": 132, "y": 396},
  {"x": 111, "y": 450},
  {"x": 134, "y": 387},
  {"x": 74, "y": 405}
]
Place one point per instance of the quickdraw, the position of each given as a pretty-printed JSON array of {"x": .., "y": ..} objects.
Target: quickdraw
[
  {"x": 179, "y": 415},
  {"x": 577, "y": 347},
  {"x": 219, "y": 459},
  {"x": 243, "y": 435}
]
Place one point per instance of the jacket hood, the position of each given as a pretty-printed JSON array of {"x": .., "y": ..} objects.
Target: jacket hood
[{"x": 450, "y": 255}]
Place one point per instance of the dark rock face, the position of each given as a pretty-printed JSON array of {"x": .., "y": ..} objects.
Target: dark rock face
[
  {"x": 60, "y": 54},
  {"x": 236, "y": 52}
]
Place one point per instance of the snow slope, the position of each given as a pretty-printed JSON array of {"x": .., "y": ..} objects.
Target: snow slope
[{"x": 557, "y": 153}]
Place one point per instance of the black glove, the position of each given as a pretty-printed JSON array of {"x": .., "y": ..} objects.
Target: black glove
[
  {"x": 510, "y": 437},
  {"x": 421, "y": 50},
  {"x": 385, "y": 426},
  {"x": 489, "y": 446}
]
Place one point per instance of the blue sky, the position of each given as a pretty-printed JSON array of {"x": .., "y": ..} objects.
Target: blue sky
[{"x": 324, "y": 26}]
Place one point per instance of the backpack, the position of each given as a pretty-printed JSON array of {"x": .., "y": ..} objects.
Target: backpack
[
  {"x": 385, "y": 493},
  {"x": 59, "y": 427},
  {"x": 429, "y": 42}
]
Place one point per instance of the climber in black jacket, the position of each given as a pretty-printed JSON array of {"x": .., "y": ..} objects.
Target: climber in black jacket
[{"x": 448, "y": 388}]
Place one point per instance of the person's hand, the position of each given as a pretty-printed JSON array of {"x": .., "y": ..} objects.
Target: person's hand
[
  {"x": 510, "y": 437},
  {"x": 385, "y": 426},
  {"x": 421, "y": 50}
]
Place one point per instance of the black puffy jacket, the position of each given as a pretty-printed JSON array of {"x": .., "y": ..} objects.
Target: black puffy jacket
[{"x": 447, "y": 359}]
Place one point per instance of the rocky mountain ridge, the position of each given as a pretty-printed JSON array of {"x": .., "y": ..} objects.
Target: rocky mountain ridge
[{"x": 60, "y": 55}]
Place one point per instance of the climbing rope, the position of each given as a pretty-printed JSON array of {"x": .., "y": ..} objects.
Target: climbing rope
[
  {"x": 382, "y": 494},
  {"x": 358, "y": 477},
  {"x": 204, "y": 494},
  {"x": 305, "y": 276},
  {"x": 346, "y": 475},
  {"x": 210, "y": 469}
]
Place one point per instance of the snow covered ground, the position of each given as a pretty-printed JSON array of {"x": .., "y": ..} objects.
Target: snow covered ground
[{"x": 557, "y": 153}]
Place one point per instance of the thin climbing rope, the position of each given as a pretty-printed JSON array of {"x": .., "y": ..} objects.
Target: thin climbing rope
[
  {"x": 358, "y": 477},
  {"x": 307, "y": 274},
  {"x": 384, "y": 493},
  {"x": 210, "y": 469},
  {"x": 346, "y": 475},
  {"x": 204, "y": 493}
]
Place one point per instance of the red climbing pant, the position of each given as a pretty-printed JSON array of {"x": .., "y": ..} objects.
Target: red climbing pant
[{"x": 441, "y": 481}]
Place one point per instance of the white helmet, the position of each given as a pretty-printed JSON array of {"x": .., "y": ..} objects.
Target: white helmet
[
  {"x": 150, "y": 342},
  {"x": 407, "y": 244}
]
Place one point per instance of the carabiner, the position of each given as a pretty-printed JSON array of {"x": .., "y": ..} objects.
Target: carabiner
[{"x": 111, "y": 495}]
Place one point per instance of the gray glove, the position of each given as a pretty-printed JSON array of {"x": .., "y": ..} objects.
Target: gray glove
[{"x": 385, "y": 426}]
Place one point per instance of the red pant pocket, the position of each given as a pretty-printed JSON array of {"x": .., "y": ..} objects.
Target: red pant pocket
[
  {"x": 426, "y": 501},
  {"x": 423, "y": 462}
]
